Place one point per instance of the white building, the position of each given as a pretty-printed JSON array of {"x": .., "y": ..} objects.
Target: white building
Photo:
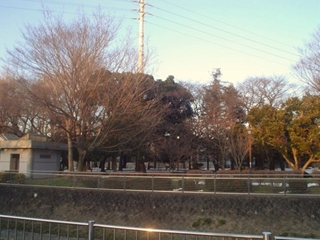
[{"x": 29, "y": 153}]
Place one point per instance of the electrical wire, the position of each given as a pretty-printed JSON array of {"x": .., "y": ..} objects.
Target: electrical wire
[
  {"x": 227, "y": 24},
  {"x": 224, "y": 31},
  {"x": 204, "y": 32},
  {"x": 183, "y": 25},
  {"x": 217, "y": 44},
  {"x": 41, "y": 10},
  {"x": 77, "y": 5}
]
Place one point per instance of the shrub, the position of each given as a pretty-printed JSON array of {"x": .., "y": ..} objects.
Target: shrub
[
  {"x": 88, "y": 182},
  {"x": 189, "y": 185},
  {"x": 12, "y": 177},
  {"x": 162, "y": 184},
  {"x": 227, "y": 185},
  {"x": 112, "y": 182},
  {"x": 139, "y": 183},
  {"x": 298, "y": 186},
  {"x": 202, "y": 222},
  {"x": 5, "y": 177},
  {"x": 19, "y": 178}
]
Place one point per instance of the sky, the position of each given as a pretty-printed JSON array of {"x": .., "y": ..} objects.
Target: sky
[{"x": 244, "y": 38}]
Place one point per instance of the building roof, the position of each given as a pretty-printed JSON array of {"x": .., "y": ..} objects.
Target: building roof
[
  {"x": 34, "y": 141},
  {"x": 35, "y": 137},
  {"x": 8, "y": 137}
]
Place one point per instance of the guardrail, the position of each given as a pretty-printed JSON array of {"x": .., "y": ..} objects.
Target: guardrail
[
  {"x": 213, "y": 183},
  {"x": 14, "y": 227}
]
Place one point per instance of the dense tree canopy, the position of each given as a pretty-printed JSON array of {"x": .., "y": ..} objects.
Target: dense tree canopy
[
  {"x": 174, "y": 137},
  {"x": 221, "y": 110},
  {"x": 293, "y": 129}
]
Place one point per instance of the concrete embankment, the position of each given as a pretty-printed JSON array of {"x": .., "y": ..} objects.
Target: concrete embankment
[{"x": 281, "y": 215}]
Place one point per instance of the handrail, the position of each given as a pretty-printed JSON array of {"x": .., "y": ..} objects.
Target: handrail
[
  {"x": 199, "y": 183},
  {"x": 91, "y": 225},
  {"x": 44, "y": 220}
]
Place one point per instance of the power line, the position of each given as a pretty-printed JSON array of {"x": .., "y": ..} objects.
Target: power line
[
  {"x": 204, "y": 32},
  {"x": 186, "y": 26},
  {"x": 205, "y": 40},
  {"x": 236, "y": 35},
  {"x": 77, "y": 5},
  {"x": 41, "y": 10},
  {"x": 227, "y": 24}
]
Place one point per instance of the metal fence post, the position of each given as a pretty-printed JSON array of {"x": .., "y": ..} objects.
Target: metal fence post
[
  {"x": 249, "y": 184},
  {"x": 214, "y": 184},
  {"x": 152, "y": 187},
  {"x": 91, "y": 230},
  {"x": 74, "y": 179},
  {"x": 266, "y": 235},
  {"x": 284, "y": 185},
  {"x": 182, "y": 183}
]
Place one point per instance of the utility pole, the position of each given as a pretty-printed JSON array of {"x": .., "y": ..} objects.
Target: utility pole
[{"x": 141, "y": 37}]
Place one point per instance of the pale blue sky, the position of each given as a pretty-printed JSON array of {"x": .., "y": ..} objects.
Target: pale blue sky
[{"x": 242, "y": 37}]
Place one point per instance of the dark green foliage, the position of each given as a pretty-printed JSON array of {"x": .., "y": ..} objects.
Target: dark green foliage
[
  {"x": 136, "y": 183},
  {"x": 227, "y": 185},
  {"x": 163, "y": 184},
  {"x": 139, "y": 183},
  {"x": 189, "y": 184},
  {"x": 87, "y": 181},
  {"x": 206, "y": 222},
  {"x": 296, "y": 235},
  {"x": 299, "y": 186},
  {"x": 202, "y": 222},
  {"x": 111, "y": 182},
  {"x": 12, "y": 177},
  {"x": 122, "y": 182},
  {"x": 221, "y": 222}
]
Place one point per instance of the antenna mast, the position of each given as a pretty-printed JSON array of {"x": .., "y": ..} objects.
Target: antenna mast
[{"x": 141, "y": 37}]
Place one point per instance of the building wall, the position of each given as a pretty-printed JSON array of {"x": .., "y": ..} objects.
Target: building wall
[
  {"x": 24, "y": 163},
  {"x": 31, "y": 160},
  {"x": 46, "y": 160}
]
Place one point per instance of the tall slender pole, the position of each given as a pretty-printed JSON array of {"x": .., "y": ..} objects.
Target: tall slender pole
[{"x": 141, "y": 37}]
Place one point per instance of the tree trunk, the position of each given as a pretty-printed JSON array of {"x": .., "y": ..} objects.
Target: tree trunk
[
  {"x": 124, "y": 161},
  {"x": 137, "y": 168},
  {"x": 149, "y": 165},
  {"x": 232, "y": 164},
  {"x": 81, "y": 160},
  {"x": 102, "y": 164},
  {"x": 70, "y": 153},
  {"x": 114, "y": 163},
  {"x": 142, "y": 167},
  {"x": 121, "y": 161},
  {"x": 109, "y": 165},
  {"x": 154, "y": 164}
]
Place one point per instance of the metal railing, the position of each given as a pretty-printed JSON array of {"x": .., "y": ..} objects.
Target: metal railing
[
  {"x": 13, "y": 227},
  {"x": 275, "y": 184}
]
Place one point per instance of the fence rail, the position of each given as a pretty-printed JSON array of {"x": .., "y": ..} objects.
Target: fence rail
[
  {"x": 276, "y": 184},
  {"x": 15, "y": 227}
]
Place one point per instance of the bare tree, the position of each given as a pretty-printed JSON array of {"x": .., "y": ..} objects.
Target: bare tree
[
  {"x": 239, "y": 142},
  {"x": 15, "y": 116},
  {"x": 222, "y": 109},
  {"x": 257, "y": 91},
  {"x": 61, "y": 66},
  {"x": 307, "y": 69}
]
